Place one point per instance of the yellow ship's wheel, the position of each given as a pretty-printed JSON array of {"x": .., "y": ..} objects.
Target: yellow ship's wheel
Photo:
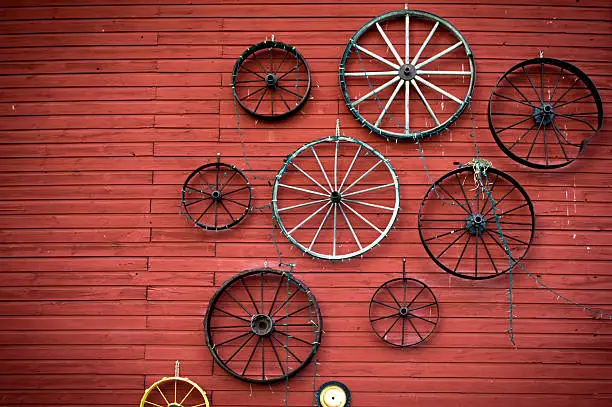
[{"x": 174, "y": 392}]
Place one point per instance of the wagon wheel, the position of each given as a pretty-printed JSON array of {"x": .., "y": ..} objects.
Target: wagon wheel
[
  {"x": 458, "y": 226},
  {"x": 411, "y": 55},
  {"x": 263, "y": 326},
  {"x": 335, "y": 198},
  {"x": 174, "y": 392},
  {"x": 216, "y": 196},
  {"x": 543, "y": 111},
  {"x": 271, "y": 80},
  {"x": 403, "y": 312}
]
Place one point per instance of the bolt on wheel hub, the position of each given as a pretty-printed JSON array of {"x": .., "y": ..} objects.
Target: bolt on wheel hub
[
  {"x": 543, "y": 115},
  {"x": 476, "y": 224},
  {"x": 262, "y": 325},
  {"x": 271, "y": 81},
  {"x": 407, "y": 72},
  {"x": 216, "y": 195}
]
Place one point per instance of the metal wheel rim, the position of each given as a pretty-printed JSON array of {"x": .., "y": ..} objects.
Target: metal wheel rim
[
  {"x": 499, "y": 174},
  {"x": 404, "y": 303},
  {"x": 333, "y": 386},
  {"x": 407, "y": 134},
  {"x": 271, "y": 45},
  {"x": 276, "y": 210},
  {"x": 144, "y": 402},
  {"x": 565, "y": 66},
  {"x": 301, "y": 287},
  {"x": 217, "y": 204}
]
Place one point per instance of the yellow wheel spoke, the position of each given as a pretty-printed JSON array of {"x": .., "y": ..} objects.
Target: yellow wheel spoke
[
  {"x": 175, "y": 383},
  {"x": 187, "y": 395},
  {"x": 155, "y": 404},
  {"x": 200, "y": 405},
  {"x": 162, "y": 394}
]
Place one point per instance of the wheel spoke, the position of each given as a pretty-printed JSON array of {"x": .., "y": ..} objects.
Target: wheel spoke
[
  {"x": 263, "y": 359},
  {"x": 286, "y": 348},
  {"x": 372, "y": 73},
  {"x": 517, "y": 89},
  {"x": 407, "y": 107},
  {"x": 462, "y": 253},
  {"x": 395, "y": 300},
  {"x": 290, "y": 91},
  {"x": 235, "y": 190},
  {"x": 280, "y": 283},
  {"x": 521, "y": 137},
  {"x": 450, "y": 244},
  {"x": 314, "y": 239},
  {"x": 386, "y": 305},
  {"x": 391, "y": 327},
  {"x": 415, "y": 328},
  {"x": 385, "y": 317},
  {"x": 336, "y": 167},
  {"x": 197, "y": 200},
  {"x": 292, "y": 314},
  {"x": 499, "y": 215},
  {"x": 362, "y": 218},
  {"x": 467, "y": 202},
  {"x": 314, "y": 153},
  {"x": 535, "y": 90},
  {"x": 556, "y": 84},
  {"x": 369, "y": 189},
  {"x": 391, "y": 47},
  {"x": 407, "y": 39},
  {"x": 281, "y": 62},
  {"x": 507, "y": 236},
  {"x": 228, "y": 181},
  {"x": 254, "y": 93},
  {"x": 571, "y": 117},
  {"x": 362, "y": 176},
  {"x": 308, "y": 218},
  {"x": 415, "y": 297},
  {"x": 568, "y": 90},
  {"x": 573, "y": 101},
  {"x": 250, "y": 296},
  {"x": 350, "y": 227},
  {"x": 260, "y": 99},
  {"x": 560, "y": 143},
  {"x": 514, "y": 100},
  {"x": 153, "y": 404},
  {"x": 466, "y": 73},
  {"x": 439, "y": 55},
  {"x": 335, "y": 224},
  {"x": 239, "y": 303},
  {"x": 490, "y": 194},
  {"x": 295, "y": 337},
  {"x": 422, "y": 97},
  {"x": 293, "y": 294},
  {"x": 375, "y": 56},
  {"x": 350, "y": 168},
  {"x": 187, "y": 395},
  {"x": 388, "y": 104},
  {"x": 162, "y": 394},
  {"x": 287, "y": 73},
  {"x": 488, "y": 253},
  {"x": 498, "y": 202},
  {"x": 232, "y": 315},
  {"x": 308, "y": 191},
  {"x": 226, "y": 210},
  {"x": 254, "y": 73},
  {"x": 422, "y": 306},
  {"x": 260, "y": 64},
  {"x": 424, "y": 319},
  {"x": 371, "y": 205},
  {"x": 534, "y": 140},
  {"x": 442, "y": 235},
  {"x": 235, "y": 202},
  {"x": 375, "y": 91},
  {"x": 514, "y": 125},
  {"x": 233, "y": 339},
  {"x": 205, "y": 210},
  {"x": 422, "y": 48},
  {"x": 284, "y": 101},
  {"x": 276, "y": 355},
  {"x": 303, "y": 204},
  {"x": 437, "y": 89},
  {"x": 439, "y": 185},
  {"x": 250, "y": 358}
]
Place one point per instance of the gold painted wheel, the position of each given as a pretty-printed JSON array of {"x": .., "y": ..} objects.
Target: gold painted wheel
[{"x": 174, "y": 392}]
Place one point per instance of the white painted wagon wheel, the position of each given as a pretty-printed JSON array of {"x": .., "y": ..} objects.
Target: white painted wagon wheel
[
  {"x": 411, "y": 55},
  {"x": 336, "y": 198}
]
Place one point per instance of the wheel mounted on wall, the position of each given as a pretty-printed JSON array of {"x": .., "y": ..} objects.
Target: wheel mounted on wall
[
  {"x": 333, "y": 394},
  {"x": 398, "y": 52},
  {"x": 543, "y": 111},
  {"x": 216, "y": 196},
  {"x": 335, "y": 198},
  {"x": 403, "y": 311},
  {"x": 174, "y": 392},
  {"x": 458, "y": 227},
  {"x": 263, "y": 326},
  {"x": 271, "y": 80}
]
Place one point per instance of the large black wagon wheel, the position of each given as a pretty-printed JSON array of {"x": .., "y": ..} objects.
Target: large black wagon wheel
[
  {"x": 407, "y": 74},
  {"x": 467, "y": 236},
  {"x": 403, "y": 312},
  {"x": 263, "y": 326},
  {"x": 216, "y": 196},
  {"x": 271, "y": 80},
  {"x": 543, "y": 111}
]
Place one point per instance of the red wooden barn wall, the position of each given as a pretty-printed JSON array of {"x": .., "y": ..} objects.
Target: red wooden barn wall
[{"x": 107, "y": 105}]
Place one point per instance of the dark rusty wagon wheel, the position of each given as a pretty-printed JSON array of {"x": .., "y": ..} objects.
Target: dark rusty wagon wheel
[
  {"x": 465, "y": 234},
  {"x": 271, "y": 80},
  {"x": 216, "y": 196},
  {"x": 263, "y": 326},
  {"x": 407, "y": 74},
  {"x": 543, "y": 112},
  {"x": 404, "y": 312}
]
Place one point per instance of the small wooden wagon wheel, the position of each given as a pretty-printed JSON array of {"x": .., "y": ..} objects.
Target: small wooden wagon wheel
[
  {"x": 404, "y": 311},
  {"x": 174, "y": 392},
  {"x": 216, "y": 196}
]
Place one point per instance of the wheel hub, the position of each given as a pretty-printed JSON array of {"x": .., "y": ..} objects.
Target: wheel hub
[
  {"x": 216, "y": 195},
  {"x": 544, "y": 115},
  {"x": 476, "y": 223},
  {"x": 335, "y": 197},
  {"x": 174, "y": 405},
  {"x": 271, "y": 81},
  {"x": 407, "y": 72},
  {"x": 404, "y": 312},
  {"x": 262, "y": 325}
]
